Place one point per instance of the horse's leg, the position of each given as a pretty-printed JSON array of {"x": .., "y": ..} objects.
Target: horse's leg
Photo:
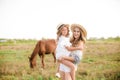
[
  {"x": 42, "y": 59},
  {"x": 54, "y": 57},
  {"x": 41, "y": 55}
]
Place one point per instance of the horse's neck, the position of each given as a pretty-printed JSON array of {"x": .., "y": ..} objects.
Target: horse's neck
[
  {"x": 35, "y": 51},
  {"x": 33, "y": 56}
]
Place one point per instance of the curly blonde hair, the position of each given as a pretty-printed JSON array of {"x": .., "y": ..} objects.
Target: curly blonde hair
[
  {"x": 83, "y": 34},
  {"x": 59, "y": 33}
]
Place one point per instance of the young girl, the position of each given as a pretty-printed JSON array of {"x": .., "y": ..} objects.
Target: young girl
[
  {"x": 62, "y": 40},
  {"x": 78, "y": 40}
]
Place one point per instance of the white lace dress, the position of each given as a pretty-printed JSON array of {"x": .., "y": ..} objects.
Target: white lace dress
[{"x": 62, "y": 51}]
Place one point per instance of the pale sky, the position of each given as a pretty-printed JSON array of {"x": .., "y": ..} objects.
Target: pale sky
[{"x": 34, "y": 19}]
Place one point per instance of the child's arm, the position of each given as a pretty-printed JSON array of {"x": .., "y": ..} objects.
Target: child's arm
[{"x": 79, "y": 47}]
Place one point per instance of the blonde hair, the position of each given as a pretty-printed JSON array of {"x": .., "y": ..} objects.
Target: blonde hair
[
  {"x": 59, "y": 33},
  {"x": 83, "y": 34}
]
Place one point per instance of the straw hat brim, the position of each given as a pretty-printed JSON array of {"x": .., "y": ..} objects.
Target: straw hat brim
[
  {"x": 62, "y": 25},
  {"x": 59, "y": 26},
  {"x": 84, "y": 32}
]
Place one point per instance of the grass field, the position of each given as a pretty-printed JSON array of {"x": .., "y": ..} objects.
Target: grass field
[{"x": 101, "y": 61}]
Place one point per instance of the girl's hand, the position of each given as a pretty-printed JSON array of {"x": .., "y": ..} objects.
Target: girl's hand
[
  {"x": 61, "y": 58},
  {"x": 67, "y": 47}
]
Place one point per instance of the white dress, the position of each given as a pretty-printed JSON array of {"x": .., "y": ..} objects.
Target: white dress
[{"x": 62, "y": 51}]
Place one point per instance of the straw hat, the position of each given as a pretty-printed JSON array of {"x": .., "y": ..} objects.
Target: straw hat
[
  {"x": 60, "y": 25},
  {"x": 80, "y": 27}
]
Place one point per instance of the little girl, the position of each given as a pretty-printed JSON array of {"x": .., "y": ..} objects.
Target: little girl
[
  {"x": 62, "y": 41},
  {"x": 78, "y": 40}
]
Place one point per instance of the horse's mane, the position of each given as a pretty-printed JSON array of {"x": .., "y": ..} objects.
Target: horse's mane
[{"x": 35, "y": 51}]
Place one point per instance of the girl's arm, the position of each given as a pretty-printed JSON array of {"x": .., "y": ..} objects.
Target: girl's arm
[{"x": 79, "y": 47}]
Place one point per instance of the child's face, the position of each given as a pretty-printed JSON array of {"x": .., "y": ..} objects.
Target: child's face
[
  {"x": 64, "y": 31},
  {"x": 76, "y": 33}
]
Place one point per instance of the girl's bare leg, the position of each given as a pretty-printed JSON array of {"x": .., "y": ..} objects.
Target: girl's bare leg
[
  {"x": 72, "y": 67},
  {"x": 58, "y": 67},
  {"x": 62, "y": 74},
  {"x": 67, "y": 58},
  {"x": 68, "y": 76},
  {"x": 58, "y": 73}
]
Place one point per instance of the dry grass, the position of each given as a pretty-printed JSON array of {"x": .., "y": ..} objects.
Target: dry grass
[{"x": 101, "y": 61}]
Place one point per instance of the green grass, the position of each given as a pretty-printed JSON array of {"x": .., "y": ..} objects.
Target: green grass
[{"x": 101, "y": 61}]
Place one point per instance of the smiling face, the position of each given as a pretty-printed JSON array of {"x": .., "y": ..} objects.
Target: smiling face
[
  {"x": 76, "y": 33},
  {"x": 64, "y": 31}
]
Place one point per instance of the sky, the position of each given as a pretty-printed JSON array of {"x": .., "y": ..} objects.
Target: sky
[{"x": 36, "y": 19}]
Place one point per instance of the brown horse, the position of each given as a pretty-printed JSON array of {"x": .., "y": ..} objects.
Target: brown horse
[{"x": 43, "y": 47}]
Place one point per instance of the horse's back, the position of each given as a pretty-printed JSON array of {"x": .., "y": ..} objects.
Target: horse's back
[{"x": 48, "y": 45}]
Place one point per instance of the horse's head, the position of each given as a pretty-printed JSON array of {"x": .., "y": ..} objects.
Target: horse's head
[{"x": 32, "y": 62}]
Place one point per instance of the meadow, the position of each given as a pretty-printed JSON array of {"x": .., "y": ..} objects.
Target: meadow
[{"x": 101, "y": 61}]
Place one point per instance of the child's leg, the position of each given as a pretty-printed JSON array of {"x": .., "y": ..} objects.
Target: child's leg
[
  {"x": 68, "y": 76},
  {"x": 58, "y": 66},
  {"x": 62, "y": 74},
  {"x": 68, "y": 58},
  {"x": 72, "y": 67},
  {"x": 58, "y": 71}
]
